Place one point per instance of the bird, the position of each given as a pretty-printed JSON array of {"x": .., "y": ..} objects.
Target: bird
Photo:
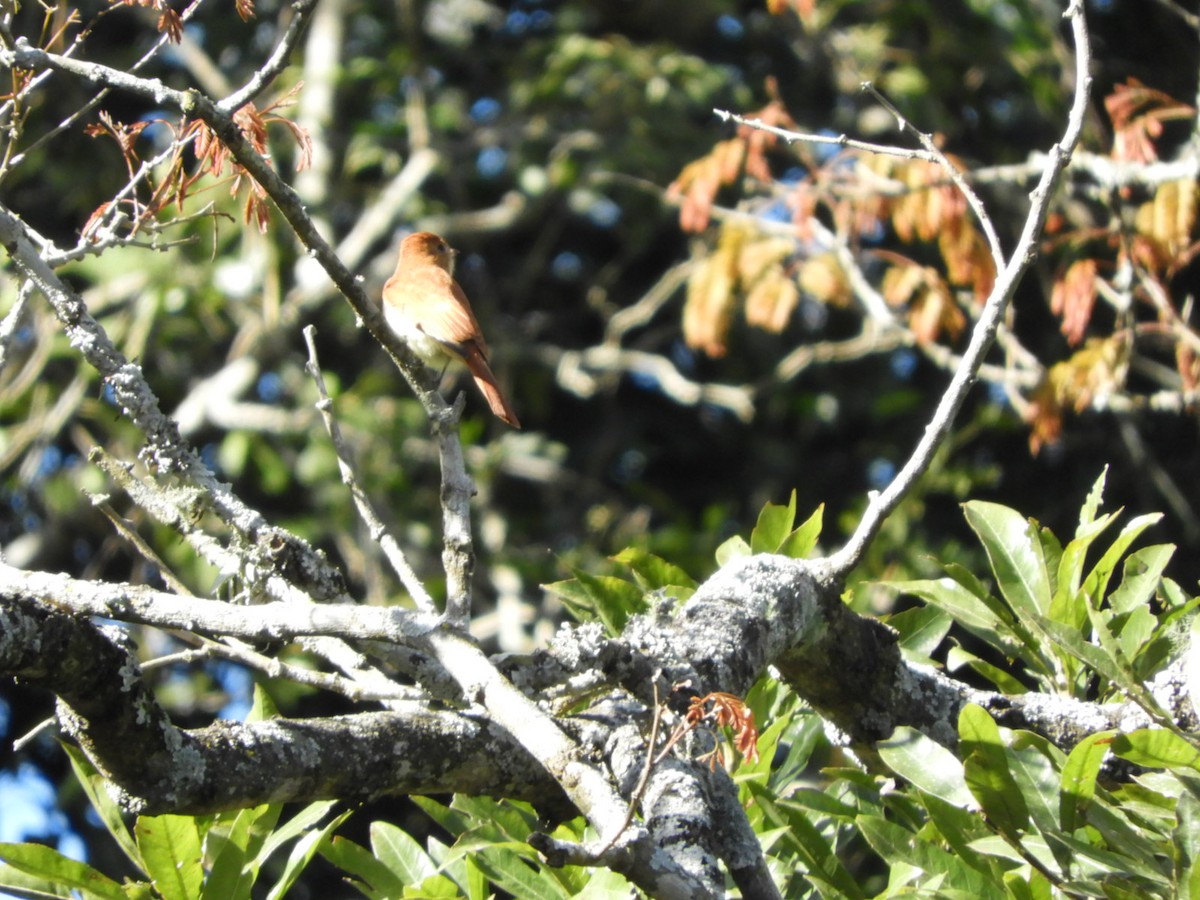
[{"x": 426, "y": 308}]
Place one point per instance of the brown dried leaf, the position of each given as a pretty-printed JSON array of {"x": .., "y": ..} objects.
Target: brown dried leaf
[
  {"x": 711, "y": 295},
  {"x": 968, "y": 258},
  {"x": 900, "y": 282},
  {"x": 804, "y": 8},
  {"x": 1165, "y": 224},
  {"x": 823, "y": 278},
  {"x": 250, "y": 121},
  {"x": 759, "y": 255},
  {"x": 727, "y": 711},
  {"x": 170, "y": 23},
  {"x": 1091, "y": 374},
  {"x": 933, "y": 311},
  {"x": 772, "y": 301},
  {"x": 94, "y": 219}
]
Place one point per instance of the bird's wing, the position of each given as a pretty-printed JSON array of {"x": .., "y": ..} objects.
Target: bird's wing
[{"x": 453, "y": 322}]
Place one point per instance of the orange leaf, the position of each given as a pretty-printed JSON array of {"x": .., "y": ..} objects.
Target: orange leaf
[
  {"x": 1188, "y": 365},
  {"x": 1073, "y": 297},
  {"x": 700, "y": 180},
  {"x": 1045, "y": 417},
  {"x": 1137, "y": 114}
]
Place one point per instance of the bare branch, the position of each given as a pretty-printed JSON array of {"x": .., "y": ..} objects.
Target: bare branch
[
  {"x": 840, "y": 140},
  {"x": 985, "y": 329},
  {"x": 378, "y": 530}
]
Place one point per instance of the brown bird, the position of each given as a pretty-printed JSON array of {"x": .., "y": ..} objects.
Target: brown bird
[{"x": 425, "y": 307}]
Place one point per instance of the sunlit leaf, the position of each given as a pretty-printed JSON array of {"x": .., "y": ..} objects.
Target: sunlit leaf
[{"x": 987, "y": 773}]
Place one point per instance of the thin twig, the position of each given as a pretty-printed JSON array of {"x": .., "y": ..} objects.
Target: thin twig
[
  {"x": 362, "y": 503},
  {"x": 984, "y": 333},
  {"x": 12, "y": 320},
  {"x": 639, "y": 790},
  {"x": 839, "y": 140},
  {"x": 985, "y": 221}
]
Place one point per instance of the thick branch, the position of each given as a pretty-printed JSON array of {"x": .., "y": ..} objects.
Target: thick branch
[
  {"x": 107, "y": 707},
  {"x": 261, "y": 622}
]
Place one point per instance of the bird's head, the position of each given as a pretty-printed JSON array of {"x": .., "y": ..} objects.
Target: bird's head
[{"x": 428, "y": 248}]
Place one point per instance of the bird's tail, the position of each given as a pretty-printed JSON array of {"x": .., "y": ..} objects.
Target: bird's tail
[{"x": 483, "y": 376}]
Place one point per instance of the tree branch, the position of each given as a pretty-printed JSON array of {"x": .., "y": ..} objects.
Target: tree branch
[{"x": 984, "y": 332}]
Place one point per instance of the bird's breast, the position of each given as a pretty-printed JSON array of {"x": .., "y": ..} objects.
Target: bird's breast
[{"x": 431, "y": 350}]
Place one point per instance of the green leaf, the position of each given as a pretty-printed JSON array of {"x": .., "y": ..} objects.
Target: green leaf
[
  {"x": 299, "y": 824},
  {"x": 170, "y": 846},
  {"x": 438, "y": 886},
  {"x": 987, "y": 773},
  {"x": 450, "y": 820},
  {"x": 926, "y": 764},
  {"x": 958, "y": 657},
  {"x": 1067, "y": 604},
  {"x": 612, "y": 600},
  {"x": 966, "y": 579},
  {"x": 901, "y": 847},
  {"x": 921, "y": 629},
  {"x": 801, "y": 542},
  {"x": 1078, "y": 781},
  {"x": 1117, "y": 829},
  {"x": 380, "y": 882},
  {"x": 302, "y": 854},
  {"x": 508, "y": 871},
  {"x": 232, "y": 843},
  {"x": 1036, "y": 766},
  {"x": 1142, "y": 572},
  {"x": 818, "y": 801},
  {"x": 512, "y": 819},
  {"x": 605, "y": 884},
  {"x": 263, "y": 708},
  {"x": 773, "y": 526},
  {"x": 1095, "y": 861},
  {"x": 93, "y": 784},
  {"x": 46, "y": 862},
  {"x": 1156, "y": 748},
  {"x": 959, "y": 826},
  {"x": 477, "y": 883},
  {"x": 1016, "y": 555},
  {"x": 1091, "y": 503},
  {"x": 966, "y": 608},
  {"x": 1186, "y": 840},
  {"x": 31, "y": 885},
  {"x": 1070, "y": 640},
  {"x": 1133, "y": 631},
  {"x": 807, "y": 841},
  {"x": 654, "y": 572},
  {"x": 1096, "y": 585},
  {"x": 402, "y": 855},
  {"x": 734, "y": 548},
  {"x": 1030, "y": 886}
]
